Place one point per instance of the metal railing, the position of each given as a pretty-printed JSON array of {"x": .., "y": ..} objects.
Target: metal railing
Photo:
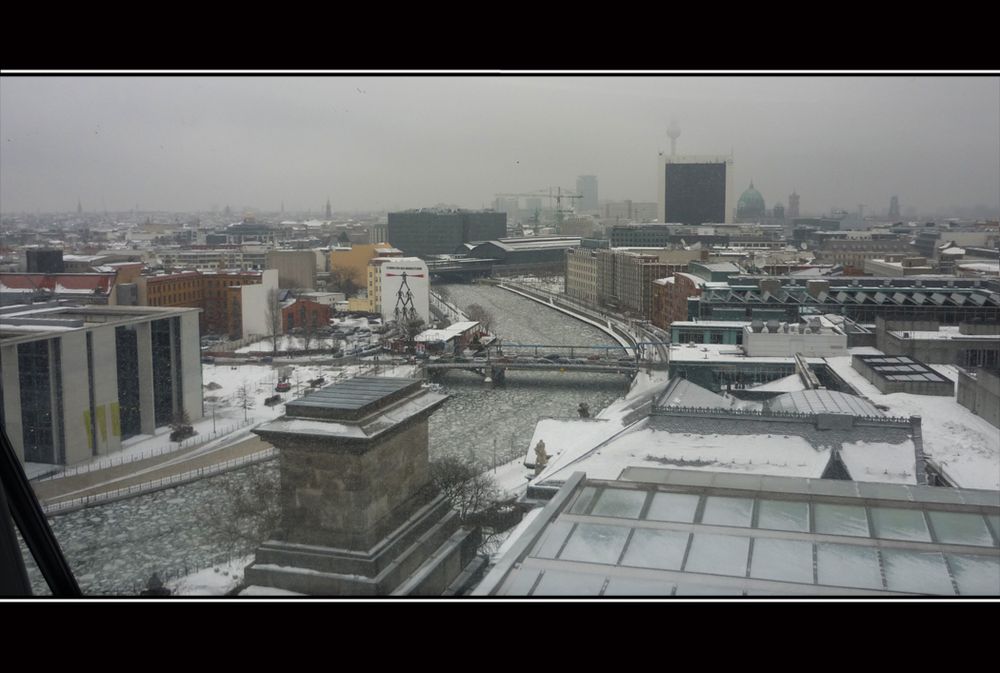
[
  {"x": 158, "y": 484},
  {"x": 115, "y": 460}
]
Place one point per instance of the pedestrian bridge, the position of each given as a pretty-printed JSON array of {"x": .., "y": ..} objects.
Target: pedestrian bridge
[{"x": 497, "y": 359}]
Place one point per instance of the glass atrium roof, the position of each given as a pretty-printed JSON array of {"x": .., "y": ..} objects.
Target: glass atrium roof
[{"x": 678, "y": 533}]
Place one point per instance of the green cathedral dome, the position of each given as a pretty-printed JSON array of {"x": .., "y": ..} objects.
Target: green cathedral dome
[{"x": 751, "y": 204}]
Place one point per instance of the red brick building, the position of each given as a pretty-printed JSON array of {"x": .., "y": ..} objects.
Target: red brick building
[
  {"x": 305, "y": 312},
  {"x": 215, "y": 293},
  {"x": 670, "y": 295}
]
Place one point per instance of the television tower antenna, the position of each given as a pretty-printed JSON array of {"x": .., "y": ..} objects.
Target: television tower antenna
[{"x": 673, "y": 132}]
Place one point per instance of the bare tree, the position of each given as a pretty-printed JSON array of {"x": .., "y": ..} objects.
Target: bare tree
[
  {"x": 474, "y": 494},
  {"x": 480, "y": 315},
  {"x": 468, "y": 488},
  {"x": 342, "y": 280},
  {"x": 250, "y": 510},
  {"x": 245, "y": 397},
  {"x": 310, "y": 330},
  {"x": 411, "y": 327},
  {"x": 272, "y": 317}
]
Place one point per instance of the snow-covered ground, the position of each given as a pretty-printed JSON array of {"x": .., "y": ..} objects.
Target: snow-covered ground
[
  {"x": 225, "y": 420},
  {"x": 218, "y": 580},
  {"x": 965, "y": 445},
  {"x": 551, "y": 284},
  {"x": 287, "y": 342}
]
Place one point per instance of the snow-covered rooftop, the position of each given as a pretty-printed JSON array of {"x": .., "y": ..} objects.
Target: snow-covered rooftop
[{"x": 446, "y": 333}]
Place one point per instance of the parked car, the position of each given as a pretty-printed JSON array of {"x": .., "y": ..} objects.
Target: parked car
[{"x": 283, "y": 387}]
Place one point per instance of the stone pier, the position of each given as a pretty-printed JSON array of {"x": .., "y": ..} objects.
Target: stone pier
[{"x": 359, "y": 513}]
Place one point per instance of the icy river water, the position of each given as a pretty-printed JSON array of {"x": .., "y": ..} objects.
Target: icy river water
[{"x": 114, "y": 548}]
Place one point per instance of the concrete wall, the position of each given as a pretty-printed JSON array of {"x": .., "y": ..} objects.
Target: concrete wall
[
  {"x": 11, "y": 398},
  {"x": 980, "y": 394},
  {"x": 253, "y": 303},
  {"x": 938, "y": 351},
  {"x": 780, "y": 344},
  {"x": 979, "y": 328},
  {"x": 106, "y": 390},
  {"x": 75, "y": 397},
  {"x": 296, "y": 268},
  {"x": 190, "y": 366}
]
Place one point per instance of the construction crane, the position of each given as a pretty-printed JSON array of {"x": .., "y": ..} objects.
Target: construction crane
[{"x": 558, "y": 196}]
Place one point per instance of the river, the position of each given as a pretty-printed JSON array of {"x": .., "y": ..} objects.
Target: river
[{"x": 114, "y": 548}]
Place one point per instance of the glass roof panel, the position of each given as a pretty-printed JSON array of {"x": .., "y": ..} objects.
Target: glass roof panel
[
  {"x": 583, "y": 500},
  {"x": 650, "y": 548},
  {"x": 976, "y": 575},
  {"x": 519, "y": 582},
  {"x": 619, "y": 502},
  {"x": 900, "y": 524},
  {"x": 719, "y": 554},
  {"x": 846, "y": 565},
  {"x": 840, "y": 519},
  {"x": 786, "y": 560},
  {"x": 552, "y": 539},
  {"x": 916, "y": 572},
  {"x": 725, "y": 511},
  {"x": 961, "y": 528},
  {"x": 673, "y": 507},
  {"x": 595, "y": 543},
  {"x": 783, "y": 515},
  {"x": 561, "y": 583}
]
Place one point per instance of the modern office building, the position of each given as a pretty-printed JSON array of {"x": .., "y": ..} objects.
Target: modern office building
[
  {"x": 79, "y": 380},
  {"x": 581, "y": 274},
  {"x": 663, "y": 236},
  {"x": 945, "y": 299},
  {"x": 438, "y": 232},
  {"x": 695, "y": 189}
]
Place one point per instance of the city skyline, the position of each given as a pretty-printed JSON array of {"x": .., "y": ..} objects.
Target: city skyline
[{"x": 188, "y": 143}]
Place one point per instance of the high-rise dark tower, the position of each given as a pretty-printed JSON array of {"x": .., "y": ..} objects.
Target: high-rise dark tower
[
  {"x": 79, "y": 207},
  {"x": 793, "y": 205},
  {"x": 329, "y": 211},
  {"x": 894, "y": 208}
]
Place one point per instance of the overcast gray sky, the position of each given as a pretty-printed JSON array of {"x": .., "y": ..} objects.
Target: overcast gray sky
[{"x": 188, "y": 143}]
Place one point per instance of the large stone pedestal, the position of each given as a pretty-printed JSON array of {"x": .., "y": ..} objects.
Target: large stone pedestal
[{"x": 360, "y": 516}]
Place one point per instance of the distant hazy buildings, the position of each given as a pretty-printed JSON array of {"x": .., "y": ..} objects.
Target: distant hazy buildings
[
  {"x": 751, "y": 205},
  {"x": 695, "y": 189},
  {"x": 793, "y": 206},
  {"x": 586, "y": 185},
  {"x": 894, "y": 208},
  {"x": 436, "y": 232}
]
